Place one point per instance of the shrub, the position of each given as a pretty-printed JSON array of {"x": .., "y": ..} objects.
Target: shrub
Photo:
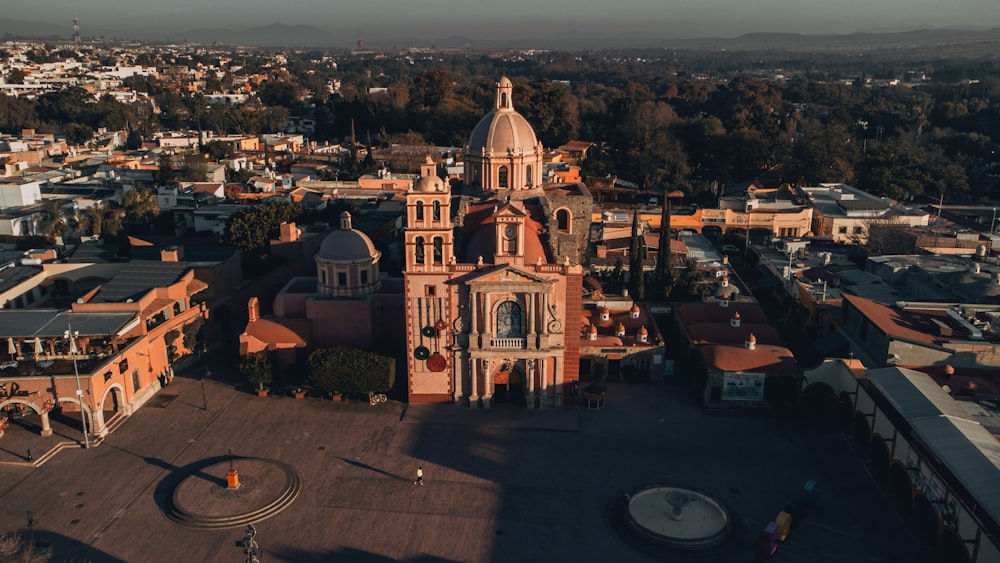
[
  {"x": 257, "y": 369},
  {"x": 351, "y": 370}
]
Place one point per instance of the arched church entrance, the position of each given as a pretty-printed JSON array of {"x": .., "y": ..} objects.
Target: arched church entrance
[{"x": 508, "y": 387}]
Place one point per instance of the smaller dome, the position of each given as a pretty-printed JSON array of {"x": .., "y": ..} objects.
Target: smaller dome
[
  {"x": 642, "y": 330},
  {"x": 428, "y": 184},
  {"x": 751, "y": 338},
  {"x": 428, "y": 181},
  {"x": 635, "y": 308},
  {"x": 736, "y": 315},
  {"x": 347, "y": 244},
  {"x": 593, "y": 329},
  {"x": 605, "y": 311}
]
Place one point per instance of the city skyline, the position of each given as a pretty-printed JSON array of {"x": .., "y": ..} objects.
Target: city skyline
[{"x": 515, "y": 19}]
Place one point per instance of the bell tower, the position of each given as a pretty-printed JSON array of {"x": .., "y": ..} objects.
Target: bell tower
[{"x": 429, "y": 232}]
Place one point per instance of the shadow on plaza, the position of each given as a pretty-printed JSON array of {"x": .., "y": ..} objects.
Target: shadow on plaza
[
  {"x": 178, "y": 474},
  {"x": 346, "y": 554},
  {"x": 361, "y": 465},
  {"x": 61, "y": 548}
]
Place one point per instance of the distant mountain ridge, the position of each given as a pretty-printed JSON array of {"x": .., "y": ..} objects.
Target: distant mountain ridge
[{"x": 305, "y": 35}]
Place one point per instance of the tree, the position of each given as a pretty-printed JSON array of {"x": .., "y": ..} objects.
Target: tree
[
  {"x": 257, "y": 369},
  {"x": 171, "y": 339},
  {"x": 164, "y": 173},
  {"x": 78, "y": 134},
  {"x": 252, "y": 228},
  {"x": 194, "y": 168},
  {"x": 139, "y": 205},
  {"x": 191, "y": 331},
  {"x": 636, "y": 276},
  {"x": 884, "y": 235},
  {"x": 351, "y": 370},
  {"x": 664, "y": 259},
  {"x": 217, "y": 150},
  {"x": 15, "y": 548},
  {"x": 53, "y": 223}
]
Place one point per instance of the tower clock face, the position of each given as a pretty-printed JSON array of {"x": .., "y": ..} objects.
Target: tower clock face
[{"x": 510, "y": 231}]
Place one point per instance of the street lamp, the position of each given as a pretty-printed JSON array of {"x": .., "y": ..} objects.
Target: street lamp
[{"x": 71, "y": 336}]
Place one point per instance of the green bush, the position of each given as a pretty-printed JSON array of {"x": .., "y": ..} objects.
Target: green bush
[
  {"x": 257, "y": 369},
  {"x": 351, "y": 370}
]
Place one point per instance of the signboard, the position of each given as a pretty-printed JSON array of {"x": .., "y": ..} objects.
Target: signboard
[{"x": 743, "y": 387}]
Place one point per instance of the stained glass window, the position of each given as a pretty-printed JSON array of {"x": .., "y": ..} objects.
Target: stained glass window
[{"x": 509, "y": 320}]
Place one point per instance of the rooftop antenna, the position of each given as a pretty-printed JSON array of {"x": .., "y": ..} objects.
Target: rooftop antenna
[{"x": 76, "y": 31}]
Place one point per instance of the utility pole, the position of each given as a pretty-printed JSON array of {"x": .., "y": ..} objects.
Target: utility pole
[{"x": 71, "y": 337}]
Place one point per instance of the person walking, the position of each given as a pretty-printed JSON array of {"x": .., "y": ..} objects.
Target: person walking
[{"x": 420, "y": 476}]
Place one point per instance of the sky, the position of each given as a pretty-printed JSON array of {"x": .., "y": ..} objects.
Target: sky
[{"x": 514, "y": 18}]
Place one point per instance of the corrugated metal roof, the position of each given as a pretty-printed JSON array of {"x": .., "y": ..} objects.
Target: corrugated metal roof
[
  {"x": 28, "y": 323},
  {"x": 948, "y": 430},
  {"x": 137, "y": 278},
  {"x": 915, "y": 394},
  {"x": 970, "y": 452}
]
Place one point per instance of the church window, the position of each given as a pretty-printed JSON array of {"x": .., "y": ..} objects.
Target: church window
[
  {"x": 509, "y": 320},
  {"x": 503, "y": 100},
  {"x": 438, "y": 250},
  {"x": 436, "y": 214},
  {"x": 341, "y": 279},
  {"x": 563, "y": 220},
  {"x": 419, "y": 250},
  {"x": 322, "y": 277},
  {"x": 527, "y": 175},
  {"x": 502, "y": 177},
  {"x": 420, "y": 211}
]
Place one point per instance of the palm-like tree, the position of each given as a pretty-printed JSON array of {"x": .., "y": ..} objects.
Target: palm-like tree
[
  {"x": 92, "y": 219},
  {"x": 54, "y": 219},
  {"x": 140, "y": 205}
]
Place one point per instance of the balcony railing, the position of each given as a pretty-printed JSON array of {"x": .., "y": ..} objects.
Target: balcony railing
[{"x": 518, "y": 343}]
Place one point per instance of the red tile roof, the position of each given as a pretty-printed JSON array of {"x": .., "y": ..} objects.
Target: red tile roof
[
  {"x": 478, "y": 225},
  {"x": 763, "y": 359},
  {"x": 718, "y": 333},
  {"x": 909, "y": 325}
]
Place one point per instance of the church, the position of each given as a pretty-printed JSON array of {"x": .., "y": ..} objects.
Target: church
[{"x": 493, "y": 275}]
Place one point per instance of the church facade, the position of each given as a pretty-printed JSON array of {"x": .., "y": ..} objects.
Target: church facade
[{"x": 493, "y": 275}]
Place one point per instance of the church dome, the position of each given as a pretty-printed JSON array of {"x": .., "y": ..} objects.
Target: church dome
[
  {"x": 428, "y": 182},
  {"x": 347, "y": 244},
  {"x": 503, "y": 129}
]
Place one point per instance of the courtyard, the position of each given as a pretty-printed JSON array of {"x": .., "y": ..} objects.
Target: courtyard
[{"x": 503, "y": 484}]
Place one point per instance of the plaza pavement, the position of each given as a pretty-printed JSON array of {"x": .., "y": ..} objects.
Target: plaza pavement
[{"x": 501, "y": 485}]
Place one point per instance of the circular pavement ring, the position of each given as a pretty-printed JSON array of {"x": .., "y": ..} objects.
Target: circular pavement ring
[{"x": 199, "y": 498}]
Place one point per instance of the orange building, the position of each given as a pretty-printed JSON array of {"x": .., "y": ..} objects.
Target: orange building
[{"x": 121, "y": 337}]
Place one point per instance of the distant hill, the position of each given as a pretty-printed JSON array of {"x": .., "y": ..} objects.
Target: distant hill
[
  {"x": 18, "y": 29},
  {"x": 284, "y": 35},
  {"x": 273, "y": 35}
]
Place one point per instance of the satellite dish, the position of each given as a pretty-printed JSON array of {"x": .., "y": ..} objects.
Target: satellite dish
[{"x": 946, "y": 389}]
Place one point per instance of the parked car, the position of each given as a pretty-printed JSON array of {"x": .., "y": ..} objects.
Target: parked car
[{"x": 730, "y": 249}]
